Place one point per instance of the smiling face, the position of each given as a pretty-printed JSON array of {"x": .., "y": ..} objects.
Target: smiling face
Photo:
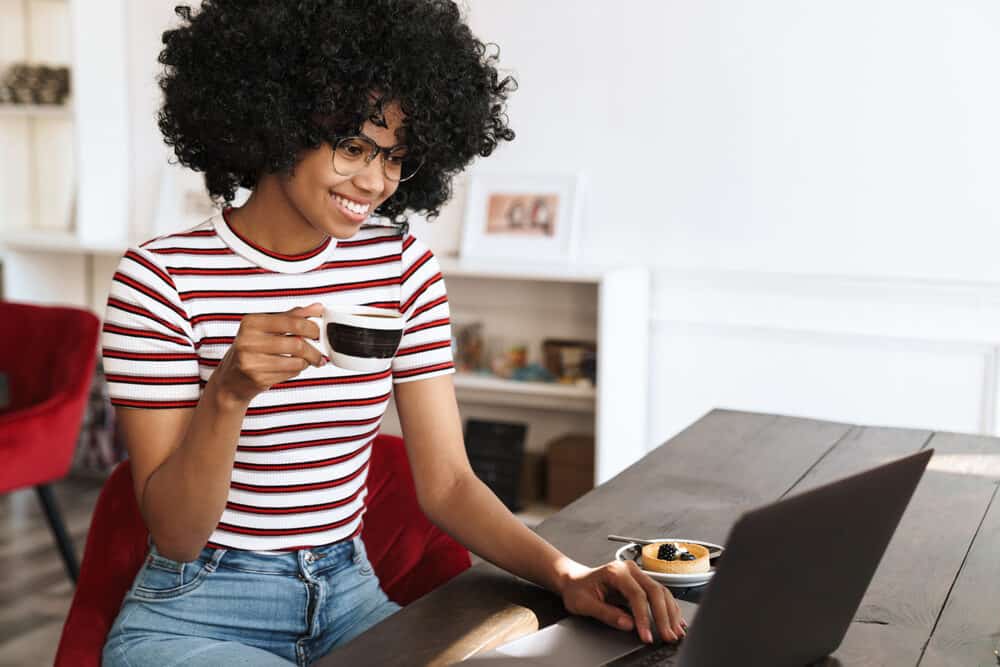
[{"x": 338, "y": 205}]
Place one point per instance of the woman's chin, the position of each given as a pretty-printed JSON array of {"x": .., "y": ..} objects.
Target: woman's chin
[{"x": 339, "y": 228}]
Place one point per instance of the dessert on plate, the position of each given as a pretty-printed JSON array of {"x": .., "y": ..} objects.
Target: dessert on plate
[{"x": 675, "y": 558}]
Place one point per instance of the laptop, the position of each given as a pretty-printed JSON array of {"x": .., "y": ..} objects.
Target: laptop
[{"x": 784, "y": 593}]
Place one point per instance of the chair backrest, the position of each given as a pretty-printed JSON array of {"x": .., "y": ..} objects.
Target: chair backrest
[
  {"x": 116, "y": 546},
  {"x": 47, "y": 354},
  {"x": 423, "y": 557},
  {"x": 46, "y": 351}
]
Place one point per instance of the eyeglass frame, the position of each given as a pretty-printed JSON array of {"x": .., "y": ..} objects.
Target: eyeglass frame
[{"x": 384, "y": 151}]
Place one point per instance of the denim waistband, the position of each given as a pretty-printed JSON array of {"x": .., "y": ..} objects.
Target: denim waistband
[{"x": 288, "y": 563}]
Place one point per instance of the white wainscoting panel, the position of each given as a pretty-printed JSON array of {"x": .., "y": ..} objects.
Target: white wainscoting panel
[{"x": 891, "y": 353}]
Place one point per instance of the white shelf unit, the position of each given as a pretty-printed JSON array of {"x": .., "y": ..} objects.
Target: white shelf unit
[
  {"x": 537, "y": 395},
  {"x": 526, "y": 303},
  {"x": 57, "y": 241},
  {"x": 64, "y": 112},
  {"x": 64, "y": 180}
]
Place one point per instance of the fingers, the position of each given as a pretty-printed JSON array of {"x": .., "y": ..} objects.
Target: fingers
[
  {"x": 282, "y": 333},
  {"x": 666, "y": 612},
  {"x": 269, "y": 349},
  {"x": 658, "y": 603},
  {"x": 278, "y": 346},
  {"x": 607, "y": 614},
  {"x": 624, "y": 581},
  {"x": 312, "y": 310},
  {"x": 642, "y": 594},
  {"x": 283, "y": 323},
  {"x": 292, "y": 346},
  {"x": 311, "y": 354}
]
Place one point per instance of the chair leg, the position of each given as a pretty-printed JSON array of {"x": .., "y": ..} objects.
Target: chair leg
[{"x": 58, "y": 528}]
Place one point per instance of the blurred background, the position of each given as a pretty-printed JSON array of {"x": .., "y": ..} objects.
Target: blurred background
[{"x": 778, "y": 206}]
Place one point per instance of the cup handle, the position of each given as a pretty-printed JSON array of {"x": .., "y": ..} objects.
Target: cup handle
[{"x": 322, "y": 345}]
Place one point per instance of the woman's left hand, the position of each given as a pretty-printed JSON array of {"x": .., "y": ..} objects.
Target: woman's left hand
[{"x": 585, "y": 592}]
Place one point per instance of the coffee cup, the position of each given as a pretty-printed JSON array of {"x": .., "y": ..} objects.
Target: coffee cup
[{"x": 359, "y": 338}]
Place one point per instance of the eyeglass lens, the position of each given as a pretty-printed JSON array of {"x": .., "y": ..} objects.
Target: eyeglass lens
[{"x": 353, "y": 154}]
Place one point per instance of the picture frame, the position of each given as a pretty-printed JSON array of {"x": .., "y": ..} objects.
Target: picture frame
[{"x": 533, "y": 217}]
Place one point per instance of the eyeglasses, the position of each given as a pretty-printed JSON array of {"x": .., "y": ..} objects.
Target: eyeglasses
[{"x": 352, "y": 154}]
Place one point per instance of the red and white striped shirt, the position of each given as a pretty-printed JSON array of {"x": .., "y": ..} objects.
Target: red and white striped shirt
[{"x": 302, "y": 459}]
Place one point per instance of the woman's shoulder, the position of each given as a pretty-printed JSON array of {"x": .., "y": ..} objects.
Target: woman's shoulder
[{"x": 202, "y": 236}]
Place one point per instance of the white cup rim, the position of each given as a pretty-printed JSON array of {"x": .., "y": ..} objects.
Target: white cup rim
[{"x": 365, "y": 317}]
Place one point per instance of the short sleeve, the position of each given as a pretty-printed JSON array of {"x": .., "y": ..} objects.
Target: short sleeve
[
  {"x": 150, "y": 360},
  {"x": 425, "y": 350}
]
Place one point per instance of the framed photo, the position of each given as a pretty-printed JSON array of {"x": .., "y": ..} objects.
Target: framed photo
[{"x": 522, "y": 216}]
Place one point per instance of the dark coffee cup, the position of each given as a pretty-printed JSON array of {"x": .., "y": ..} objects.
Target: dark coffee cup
[{"x": 359, "y": 338}]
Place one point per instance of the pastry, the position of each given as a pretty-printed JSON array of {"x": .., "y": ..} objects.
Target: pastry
[{"x": 675, "y": 557}]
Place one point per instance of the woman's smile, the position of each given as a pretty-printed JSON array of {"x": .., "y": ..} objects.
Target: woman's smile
[{"x": 353, "y": 209}]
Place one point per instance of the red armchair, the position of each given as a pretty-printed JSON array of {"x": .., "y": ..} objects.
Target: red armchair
[
  {"x": 423, "y": 556},
  {"x": 47, "y": 357}
]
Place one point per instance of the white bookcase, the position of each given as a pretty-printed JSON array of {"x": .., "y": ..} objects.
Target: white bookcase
[
  {"x": 64, "y": 177},
  {"x": 526, "y": 303}
]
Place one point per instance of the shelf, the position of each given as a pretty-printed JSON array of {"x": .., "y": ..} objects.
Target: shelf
[
  {"x": 539, "y": 395},
  {"x": 53, "y": 111},
  {"x": 509, "y": 269},
  {"x": 43, "y": 240}
]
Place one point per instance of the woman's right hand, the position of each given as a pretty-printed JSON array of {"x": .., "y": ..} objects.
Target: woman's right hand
[{"x": 268, "y": 349}]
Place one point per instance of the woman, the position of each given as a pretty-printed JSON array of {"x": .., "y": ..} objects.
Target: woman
[{"x": 249, "y": 450}]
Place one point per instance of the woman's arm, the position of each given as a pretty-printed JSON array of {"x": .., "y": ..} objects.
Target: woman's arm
[
  {"x": 182, "y": 459},
  {"x": 457, "y": 501}
]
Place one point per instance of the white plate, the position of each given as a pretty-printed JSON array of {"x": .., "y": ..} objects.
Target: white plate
[{"x": 633, "y": 551}]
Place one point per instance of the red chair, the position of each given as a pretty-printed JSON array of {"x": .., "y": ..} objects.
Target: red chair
[
  {"x": 47, "y": 357},
  {"x": 423, "y": 556}
]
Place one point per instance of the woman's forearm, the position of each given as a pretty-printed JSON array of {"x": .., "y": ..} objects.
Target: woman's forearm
[
  {"x": 473, "y": 515},
  {"x": 185, "y": 496}
]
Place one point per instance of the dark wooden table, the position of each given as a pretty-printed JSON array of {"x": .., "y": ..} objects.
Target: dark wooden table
[{"x": 934, "y": 601}]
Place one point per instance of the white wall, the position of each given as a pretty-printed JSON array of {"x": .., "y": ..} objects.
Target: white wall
[
  {"x": 838, "y": 137},
  {"x": 147, "y": 20},
  {"x": 815, "y": 182}
]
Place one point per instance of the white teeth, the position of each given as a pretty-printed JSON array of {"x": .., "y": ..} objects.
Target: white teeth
[{"x": 360, "y": 209}]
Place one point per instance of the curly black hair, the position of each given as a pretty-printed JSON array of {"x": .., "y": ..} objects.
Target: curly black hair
[{"x": 249, "y": 84}]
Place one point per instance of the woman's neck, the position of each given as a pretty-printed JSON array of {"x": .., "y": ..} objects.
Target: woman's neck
[{"x": 269, "y": 220}]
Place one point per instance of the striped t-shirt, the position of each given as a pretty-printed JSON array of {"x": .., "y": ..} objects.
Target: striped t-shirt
[{"x": 302, "y": 460}]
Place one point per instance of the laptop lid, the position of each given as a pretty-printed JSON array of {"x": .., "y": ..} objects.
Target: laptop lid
[
  {"x": 785, "y": 593},
  {"x": 795, "y": 571}
]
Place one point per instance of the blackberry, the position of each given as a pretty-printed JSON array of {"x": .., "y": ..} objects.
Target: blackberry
[
  {"x": 667, "y": 552},
  {"x": 687, "y": 556}
]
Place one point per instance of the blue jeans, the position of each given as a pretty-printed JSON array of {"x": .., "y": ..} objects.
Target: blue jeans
[{"x": 231, "y": 607}]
